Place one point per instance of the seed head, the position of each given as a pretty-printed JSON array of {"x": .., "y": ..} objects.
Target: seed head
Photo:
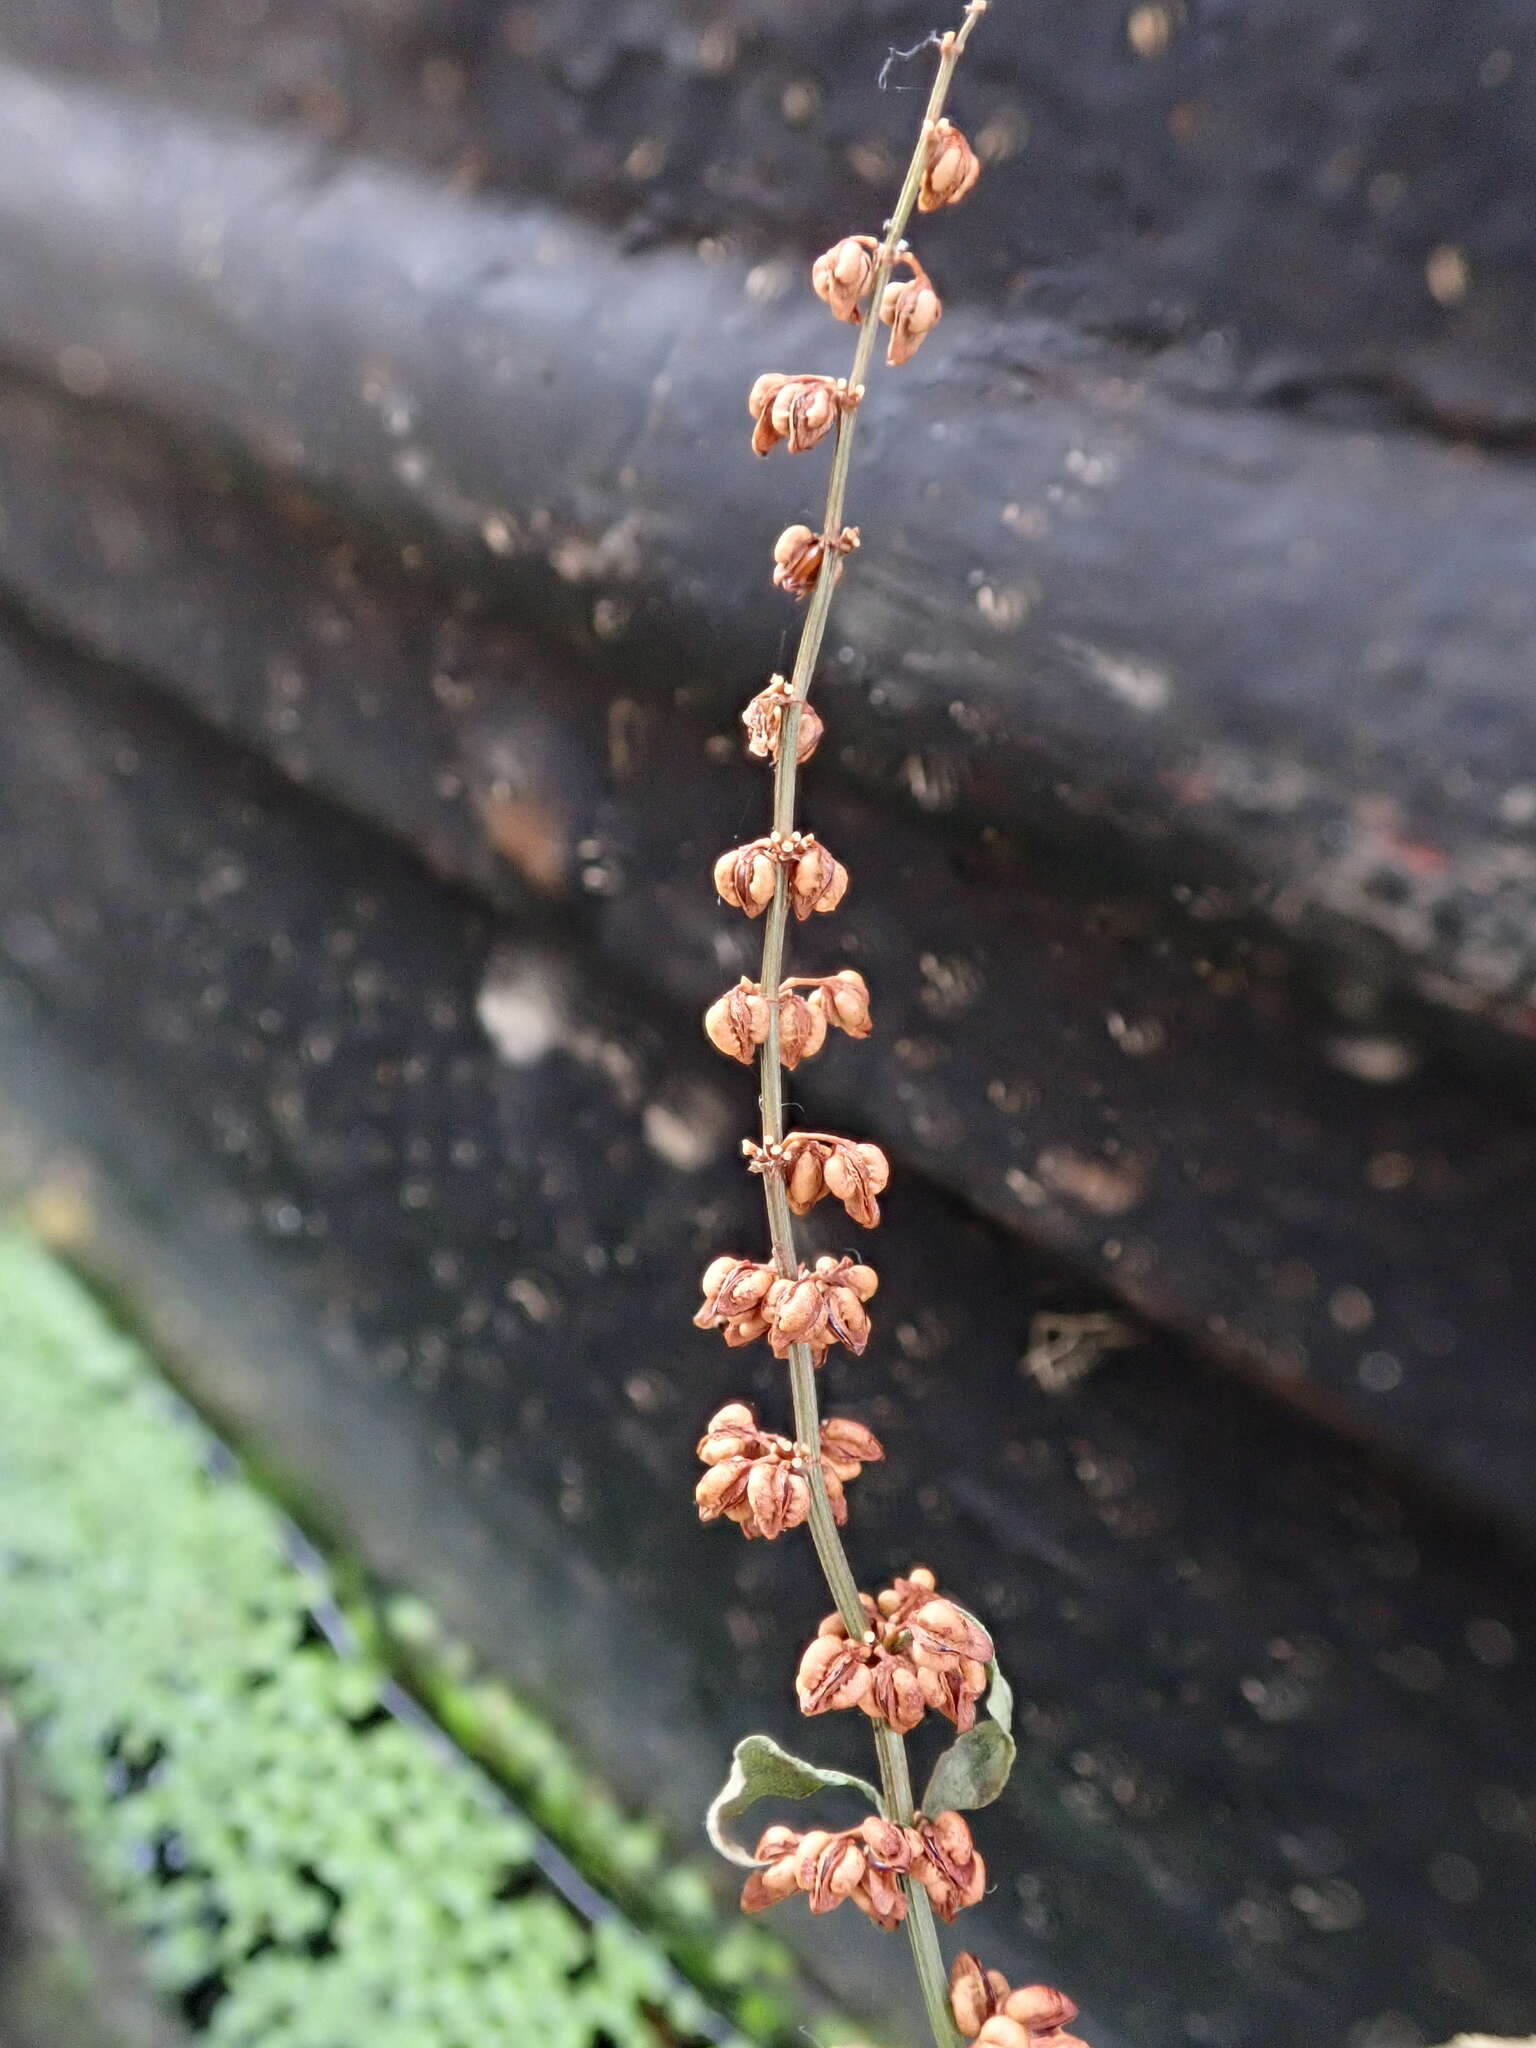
[
  {"x": 951, "y": 170},
  {"x": 737, "y": 1023},
  {"x": 846, "y": 997},
  {"x": 910, "y": 307},
  {"x": 796, "y": 412},
  {"x": 764, "y": 720},
  {"x": 798, "y": 555},
  {"x": 949, "y": 1866},
  {"x": 843, "y": 274},
  {"x": 802, "y": 1029}
]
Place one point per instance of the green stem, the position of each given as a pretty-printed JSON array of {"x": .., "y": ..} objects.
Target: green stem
[{"x": 891, "y": 1748}]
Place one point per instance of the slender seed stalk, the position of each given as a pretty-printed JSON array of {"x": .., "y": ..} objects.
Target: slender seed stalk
[{"x": 890, "y": 1746}]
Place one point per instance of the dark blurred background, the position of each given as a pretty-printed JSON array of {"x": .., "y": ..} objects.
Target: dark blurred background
[{"x": 382, "y": 571}]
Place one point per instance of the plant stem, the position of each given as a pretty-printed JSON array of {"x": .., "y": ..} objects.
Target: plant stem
[{"x": 890, "y": 1746}]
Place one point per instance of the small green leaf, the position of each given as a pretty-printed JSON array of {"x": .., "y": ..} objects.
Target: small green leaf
[
  {"x": 974, "y": 1769},
  {"x": 761, "y": 1770}
]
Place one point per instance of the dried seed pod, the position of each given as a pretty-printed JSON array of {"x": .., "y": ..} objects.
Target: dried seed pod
[
  {"x": 974, "y": 1994},
  {"x": 748, "y": 875},
  {"x": 798, "y": 555},
  {"x": 952, "y": 168},
  {"x": 778, "y": 1497},
  {"x": 856, "y": 1174},
  {"x": 895, "y": 1693},
  {"x": 943, "y": 1636},
  {"x": 734, "y": 1290},
  {"x": 1000, "y": 2032},
  {"x": 737, "y": 1023},
  {"x": 723, "y": 1490},
  {"x": 764, "y": 720},
  {"x": 798, "y": 411},
  {"x": 846, "y": 998},
  {"x": 732, "y": 1433},
  {"x": 952, "y": 1693},
  {"x": 796, "y": 1309},
  {"x": 802, "y": 1029},
  {"x": 744, "y": 1329},
  {"x": 817, "y": 882},
  {"x": 950, "y": 1867},
  {"x": 886, "y": 1845},
  {"x": 831, "y": 1872},
  {"x": 864, "y": 1280},
  {"x": 805, "y": 1183},
  {"x": 841, "y": 275},
  {"x": 833, "y": 1676},
  {"x": 1039, "y": 2008},
  {"x": 847, "y": 1444},
  {"x": 911, "y": 308}
]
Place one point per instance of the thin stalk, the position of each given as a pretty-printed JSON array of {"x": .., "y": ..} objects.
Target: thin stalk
[{"x": 890, "y": 1747}]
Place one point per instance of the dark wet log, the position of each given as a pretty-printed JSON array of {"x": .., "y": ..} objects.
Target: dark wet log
[
  {"x": 1160, "y": 1091},
  {"x": 415, "y": 1199},
  {"x": 1262, "y": 180}
]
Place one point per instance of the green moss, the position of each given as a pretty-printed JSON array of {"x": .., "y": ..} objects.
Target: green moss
[
  {"x": 303, "y": 1870},
  {"x": 741, "y": 1965}
]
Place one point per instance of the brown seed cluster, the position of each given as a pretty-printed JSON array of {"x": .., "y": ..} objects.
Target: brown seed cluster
[
  {"x": 842, "y": 275},
  {"x": 820, "y": 1306},
  {"x": 795, "y": 412},
  {"x": 764, "y": 720},
  {"x": 952, "y": 168},
  {"x": 919, "y": 1651},
  {"x": 737, "y": 1023},
  {"x": 798, "y": 555},
  {"x": 813, "y": 1164},
  {"x": 748, "y": 876},
  {"x": 760, "y": 1481},
  {"x": 867, "y": 1864},
  {"x": 989, "y": 2012},
  {"x": 911, "y": 308}
]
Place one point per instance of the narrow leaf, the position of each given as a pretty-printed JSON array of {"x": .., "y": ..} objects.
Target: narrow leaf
[
  {"x": 974, "y": 1769},
  {"x": 761, "y": 1770}
]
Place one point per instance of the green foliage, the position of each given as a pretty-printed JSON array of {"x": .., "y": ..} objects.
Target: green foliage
[
  {"x": 760, "y": 1769},
  {"x": 303, "y": 1870},
  {"x": 743, "y": 1967},
  {"x": 977, "y": 1765}
]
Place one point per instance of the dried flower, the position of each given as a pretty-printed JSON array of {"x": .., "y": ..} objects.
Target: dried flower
[
  {"x": 1004, "y": 2032},
  {"x": 847, "y": 1446},
  {"x": 911, "y": 308},
  {"x": 951, "y": 170},
  {"x": 842, "y": 275},
  {"x": 747, "y": 876},
  {"x": 764, "y": 720},
  {"x": 802, "y": 1028},
  {"x": 813, "y": 1164},
  {"x": 981, "y": 1999},
  {"x": 737, "y": 1024},
  {"x": 760, "y": 1481},
  {"x": 817, "y": 881},
  {"x": 821, "y": 1307},
  {"x": 798, "y": 411},
  {"x": 948, "y": 1673},
  {"x": 833, "y": 1675},
  {"x": 734, "y": 1291},
  {"x": 846, "y": 998},
  {"x": 798, "y": 554},
  {"x": 949, "y": 1867},
  {"x": 864, "y": 1864}
]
